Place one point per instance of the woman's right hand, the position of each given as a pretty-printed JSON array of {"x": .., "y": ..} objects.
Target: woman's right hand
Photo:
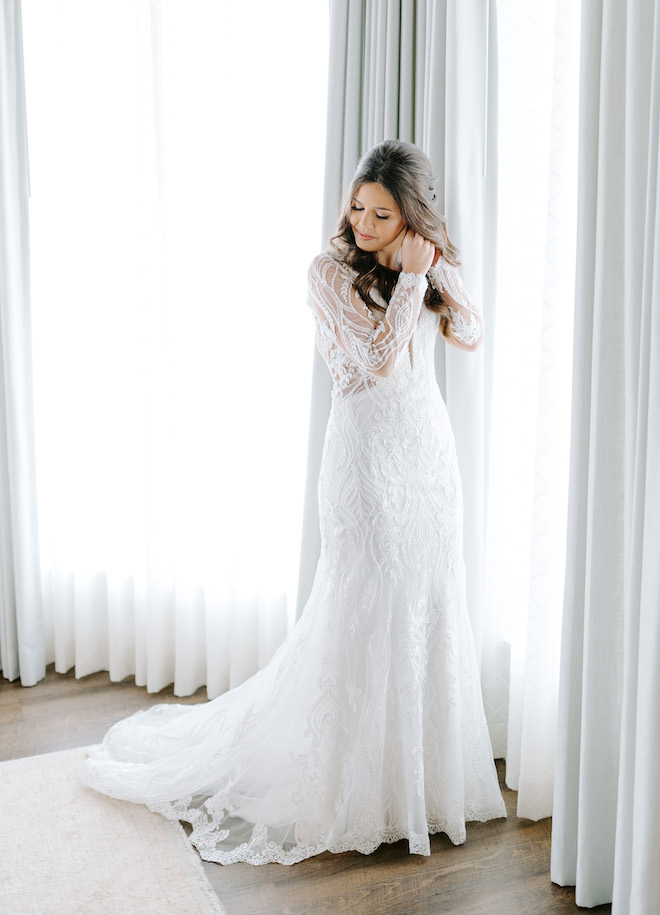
[{"x": 416, "y": 253}]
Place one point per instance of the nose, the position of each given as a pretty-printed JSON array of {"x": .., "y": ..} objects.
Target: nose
[{"x": 366, "y": 224}]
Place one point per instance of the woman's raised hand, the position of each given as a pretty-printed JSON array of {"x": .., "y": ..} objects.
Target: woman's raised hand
[{"x": 417, "y": 253}]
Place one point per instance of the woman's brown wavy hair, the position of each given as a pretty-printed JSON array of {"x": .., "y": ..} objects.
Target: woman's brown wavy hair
[{"x": 405, "y": 173}]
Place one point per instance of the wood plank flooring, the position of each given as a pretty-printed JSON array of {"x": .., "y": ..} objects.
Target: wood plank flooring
[{"x": 502, "y": 869}]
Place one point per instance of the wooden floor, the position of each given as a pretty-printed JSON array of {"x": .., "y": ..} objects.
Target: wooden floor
[{"x": 502, "y": 869}]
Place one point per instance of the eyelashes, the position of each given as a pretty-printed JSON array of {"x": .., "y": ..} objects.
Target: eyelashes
[{"x": 361, "y": 209}]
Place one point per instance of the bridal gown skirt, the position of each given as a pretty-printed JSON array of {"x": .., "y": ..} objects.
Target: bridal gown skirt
[{"x": 367, "y": 726}]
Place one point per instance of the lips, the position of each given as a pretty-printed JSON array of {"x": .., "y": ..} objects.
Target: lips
[{"x": 365, "y": 237}]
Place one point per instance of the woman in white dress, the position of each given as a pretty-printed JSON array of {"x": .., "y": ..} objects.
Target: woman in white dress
[{"x": 367, "y": 726}]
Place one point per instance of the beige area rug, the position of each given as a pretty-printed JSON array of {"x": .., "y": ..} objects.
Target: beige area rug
[{"x": 66, "y": 850}]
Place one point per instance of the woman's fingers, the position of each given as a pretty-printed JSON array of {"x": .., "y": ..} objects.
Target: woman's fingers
[{"x": 417, "y": 253}]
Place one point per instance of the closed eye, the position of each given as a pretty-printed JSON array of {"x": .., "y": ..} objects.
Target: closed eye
[{"x": 361, "y": 210}]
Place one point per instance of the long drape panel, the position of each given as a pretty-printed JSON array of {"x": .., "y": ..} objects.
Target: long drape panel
[
  {"x": 530, "y": 409},
  {"x": 173, "y": 218},
  {"x": 22, "y": 636},
  {"x": 422, "y": 72},
  {"x": 605, "y": 829}
]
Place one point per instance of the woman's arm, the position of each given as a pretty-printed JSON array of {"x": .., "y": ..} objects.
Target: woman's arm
[
  {"x": 467, "y": 326},
  {"x": 342, "y": 313}
]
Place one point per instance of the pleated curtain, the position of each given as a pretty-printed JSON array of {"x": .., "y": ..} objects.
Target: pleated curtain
[
  {"x": 529, "y": 415},
  {"x": 606, "y": 839},
  {"x": 22, "y": 638}
]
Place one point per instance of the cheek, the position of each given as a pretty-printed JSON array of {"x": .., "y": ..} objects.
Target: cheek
[{"x": 393, "y": 229}]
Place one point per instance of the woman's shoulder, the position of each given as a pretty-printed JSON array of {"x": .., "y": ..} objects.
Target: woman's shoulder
[
  {"x": 328, "y": 259},
  {"x": 324, "y": 259},
  {"x": 330, "y": 282},
  {"x": 325, "y": 262}
]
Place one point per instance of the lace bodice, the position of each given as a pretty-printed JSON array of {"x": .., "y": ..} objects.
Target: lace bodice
[{"x": 359, "y": 345}]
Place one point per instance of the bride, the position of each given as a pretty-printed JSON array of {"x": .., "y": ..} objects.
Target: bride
[{"x": 367, "y": 726}]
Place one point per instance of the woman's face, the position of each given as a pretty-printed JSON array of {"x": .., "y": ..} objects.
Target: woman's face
[{"x": 377, "y": 223}]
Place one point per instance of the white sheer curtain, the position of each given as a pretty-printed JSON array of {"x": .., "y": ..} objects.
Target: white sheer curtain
[
  {"x": 606, "y": 840},
  {"x": 22, "y": 641},
  {"x": 530, "y": 413},
  {"x": 176, "y": 156}
]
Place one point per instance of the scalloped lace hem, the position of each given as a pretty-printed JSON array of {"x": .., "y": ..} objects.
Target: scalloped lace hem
[{"x": 205, "y": 837}]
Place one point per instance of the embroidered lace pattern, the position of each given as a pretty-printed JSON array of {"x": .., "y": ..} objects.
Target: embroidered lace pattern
[
  {"x": 466, "y": 322},
  {"x": 358, "y": 346},
  {"x": 367, "y": 726}
]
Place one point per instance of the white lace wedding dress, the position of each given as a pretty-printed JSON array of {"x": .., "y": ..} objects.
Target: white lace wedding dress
[{"x": 367, "y": 726}]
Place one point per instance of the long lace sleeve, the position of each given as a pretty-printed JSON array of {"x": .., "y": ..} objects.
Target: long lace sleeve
[
  {"x": 343, "y": 316},
  {"x": 467, "y": 325}
]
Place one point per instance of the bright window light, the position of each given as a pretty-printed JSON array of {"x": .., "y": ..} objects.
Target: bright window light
[{"x": 176, "y": 154}]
